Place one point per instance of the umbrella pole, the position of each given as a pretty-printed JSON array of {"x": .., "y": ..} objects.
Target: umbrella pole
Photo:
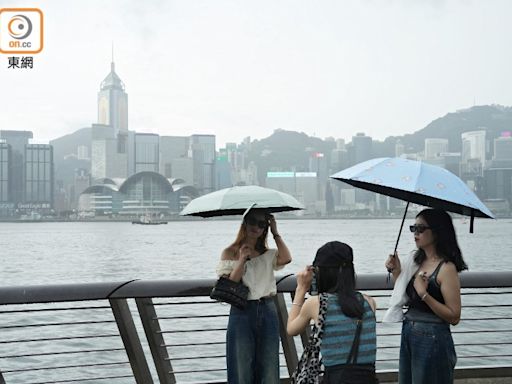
[
  {"x": 401, "y": 226},
  {"x": 397, "y": 240}
]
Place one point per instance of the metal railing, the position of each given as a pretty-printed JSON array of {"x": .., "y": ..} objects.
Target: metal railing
[{"x": 171, "y": 332}]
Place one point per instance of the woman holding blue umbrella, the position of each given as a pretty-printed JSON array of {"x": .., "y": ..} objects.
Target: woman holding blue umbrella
[
  {"x": 429, "y": 285},
  {"x": 252, "y": 340}
]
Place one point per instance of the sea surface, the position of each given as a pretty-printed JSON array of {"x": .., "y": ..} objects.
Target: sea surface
[
  {"x": 80, "y": 252},
  {"x": 35, "y": 253}
]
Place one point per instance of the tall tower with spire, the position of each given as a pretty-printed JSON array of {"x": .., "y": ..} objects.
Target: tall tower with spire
[
  {"x": 109, "y": 146},
  {"x": 113, "y": 102}
]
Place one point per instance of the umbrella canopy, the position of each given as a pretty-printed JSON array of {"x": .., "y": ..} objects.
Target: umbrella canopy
[
  {"x": 415, "y": 182},
  {"x": 236, "y": 200}
]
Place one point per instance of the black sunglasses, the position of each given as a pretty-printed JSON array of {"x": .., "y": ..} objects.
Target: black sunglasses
[
  {"x": 255, "y": 222},
  {"x": 418, "y": 228}
]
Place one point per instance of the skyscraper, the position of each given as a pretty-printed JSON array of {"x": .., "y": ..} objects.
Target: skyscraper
[
  {"x": 17, "y": 141},
  {"x": 473, "y": 154},
  {"x": 202, "y": 151},
  {"x": 109, "y": 147}
]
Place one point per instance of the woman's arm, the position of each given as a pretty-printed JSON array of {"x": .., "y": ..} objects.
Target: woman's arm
[
  {"x": 283, "y": 253},
  {"x": 371, "y": 301},
  {"x": 231, "y": 254},
  {"x": 302, "y": 311},
  {"x": 450, "y": 288}
]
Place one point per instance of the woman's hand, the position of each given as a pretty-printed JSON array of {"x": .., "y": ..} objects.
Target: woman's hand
[
  {"x": 304, "y": 279},
  {"x": 244, "y": 253},
  {"x": 393, "y": 263},
  {"x": 421, "y": 283},
  {"x": 273, "y": 225}
]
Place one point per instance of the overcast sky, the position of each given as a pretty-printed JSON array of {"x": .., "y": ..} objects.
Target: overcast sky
[{"x": 244, "y": 68}]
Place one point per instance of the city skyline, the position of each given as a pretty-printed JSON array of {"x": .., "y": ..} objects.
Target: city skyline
[{"x": 236, "y": 69}]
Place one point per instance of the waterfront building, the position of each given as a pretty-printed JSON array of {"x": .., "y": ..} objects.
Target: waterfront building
[
  {"x": 202, "y": 152},
  {"x": 171, "y": 148},
  {"x": 38, "y": 179},
  {"x": 102, "y": 198},
  {"x": 146, "y": 193},
  {"x": 181, "y": 196},
  {"x": 143, "y": 193},
  {"x": 147, "y": 152},
  {"x": 17, "y": 140},
  {"x": 6, "y": 206}
]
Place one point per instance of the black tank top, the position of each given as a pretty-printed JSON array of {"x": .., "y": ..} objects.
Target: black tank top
[{"x": 433, "y": 289}]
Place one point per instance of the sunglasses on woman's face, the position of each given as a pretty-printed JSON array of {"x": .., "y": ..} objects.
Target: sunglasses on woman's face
[
  {"x": 255, "y": 222},
  {"x": 418, "y": 228}
]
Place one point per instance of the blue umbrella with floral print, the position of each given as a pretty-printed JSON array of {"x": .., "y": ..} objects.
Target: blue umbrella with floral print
[{"x": 415, "y": 182}]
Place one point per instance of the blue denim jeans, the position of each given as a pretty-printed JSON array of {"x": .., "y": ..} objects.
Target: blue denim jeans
[
  {"x": 427, "y": 353},
  {"x": 252, "y": 343}
]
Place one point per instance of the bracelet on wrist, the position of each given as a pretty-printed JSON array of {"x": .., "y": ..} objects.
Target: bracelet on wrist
[
  {"x": 424, "y": 296},
  {"x": 278, "y": 235},
  {"x": 297, "y": 304}
]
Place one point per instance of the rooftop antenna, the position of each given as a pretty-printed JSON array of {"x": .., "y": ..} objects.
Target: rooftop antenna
[{"x": 112, "y": 65}]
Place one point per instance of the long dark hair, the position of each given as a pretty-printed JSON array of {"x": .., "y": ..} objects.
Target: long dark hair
[
  {"x": 336, "y": 274},
  {"x": 445, "y": 239},
  {"x": 261, "y": 243}
]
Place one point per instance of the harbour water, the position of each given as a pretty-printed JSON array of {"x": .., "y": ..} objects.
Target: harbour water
[{"x": 81, "y": 252}]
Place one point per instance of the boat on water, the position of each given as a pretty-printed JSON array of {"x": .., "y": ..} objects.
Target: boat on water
[{"x": 148, "y": 220}]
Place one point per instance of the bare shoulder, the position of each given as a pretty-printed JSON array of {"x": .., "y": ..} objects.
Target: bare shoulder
[
  {"x": 448, "y": 268},
  {"x": 311, "y": 307},
  {"x": 447, "y": 271},
  {"x": 371, "y": 301},
  {"x": 229, "y": 253}
]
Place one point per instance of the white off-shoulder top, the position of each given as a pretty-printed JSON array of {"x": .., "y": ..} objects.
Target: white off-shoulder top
[{"x": 258, "y": 274}]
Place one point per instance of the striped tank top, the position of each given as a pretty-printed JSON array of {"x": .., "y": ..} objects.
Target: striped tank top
[{"x": 339, "y": 332}]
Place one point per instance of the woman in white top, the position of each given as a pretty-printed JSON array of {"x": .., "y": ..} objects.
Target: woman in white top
[{"x": 252, "y": 340}]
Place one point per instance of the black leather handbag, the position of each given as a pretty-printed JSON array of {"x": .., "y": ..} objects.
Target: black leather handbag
[{"x": 231, "y": 292}]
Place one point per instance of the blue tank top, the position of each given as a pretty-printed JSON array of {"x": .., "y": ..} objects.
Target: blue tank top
[{"x": 339, "y": 332}]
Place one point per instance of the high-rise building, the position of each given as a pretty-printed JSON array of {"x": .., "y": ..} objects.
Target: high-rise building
[
  {"x": 399, "y": 148},
  {"x": 113, "y": 102},
  {"x": 434, "y": 147},
  {"x": 110, "y": 137},
  {"x": 503, "y": 148},
  {"x": 17, "y": 140},
  {"x": 202, "y": 152},
  {"x": 106, "y": 161},
  {"x": 146, "y": 152},
  {"x": 171, "y": 148},
  {"x": 473, "y": 154},
  {"x": 362, "y": 148},
  {"x": 5, "y": 177},
  {"x": 38, "y": 175}
]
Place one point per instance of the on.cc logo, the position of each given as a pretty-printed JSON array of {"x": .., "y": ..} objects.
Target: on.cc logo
[{"x": 19, "y": 27}]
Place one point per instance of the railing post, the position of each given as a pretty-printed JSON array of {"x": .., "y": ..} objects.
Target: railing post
[
  {"x": 289, "y": 349},
  {"x": 131, "y": 341},
  {"x": 155, "y": 340}
]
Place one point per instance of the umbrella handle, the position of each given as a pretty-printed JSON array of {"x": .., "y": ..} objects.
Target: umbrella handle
[{"x": 400, "y": 232}]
